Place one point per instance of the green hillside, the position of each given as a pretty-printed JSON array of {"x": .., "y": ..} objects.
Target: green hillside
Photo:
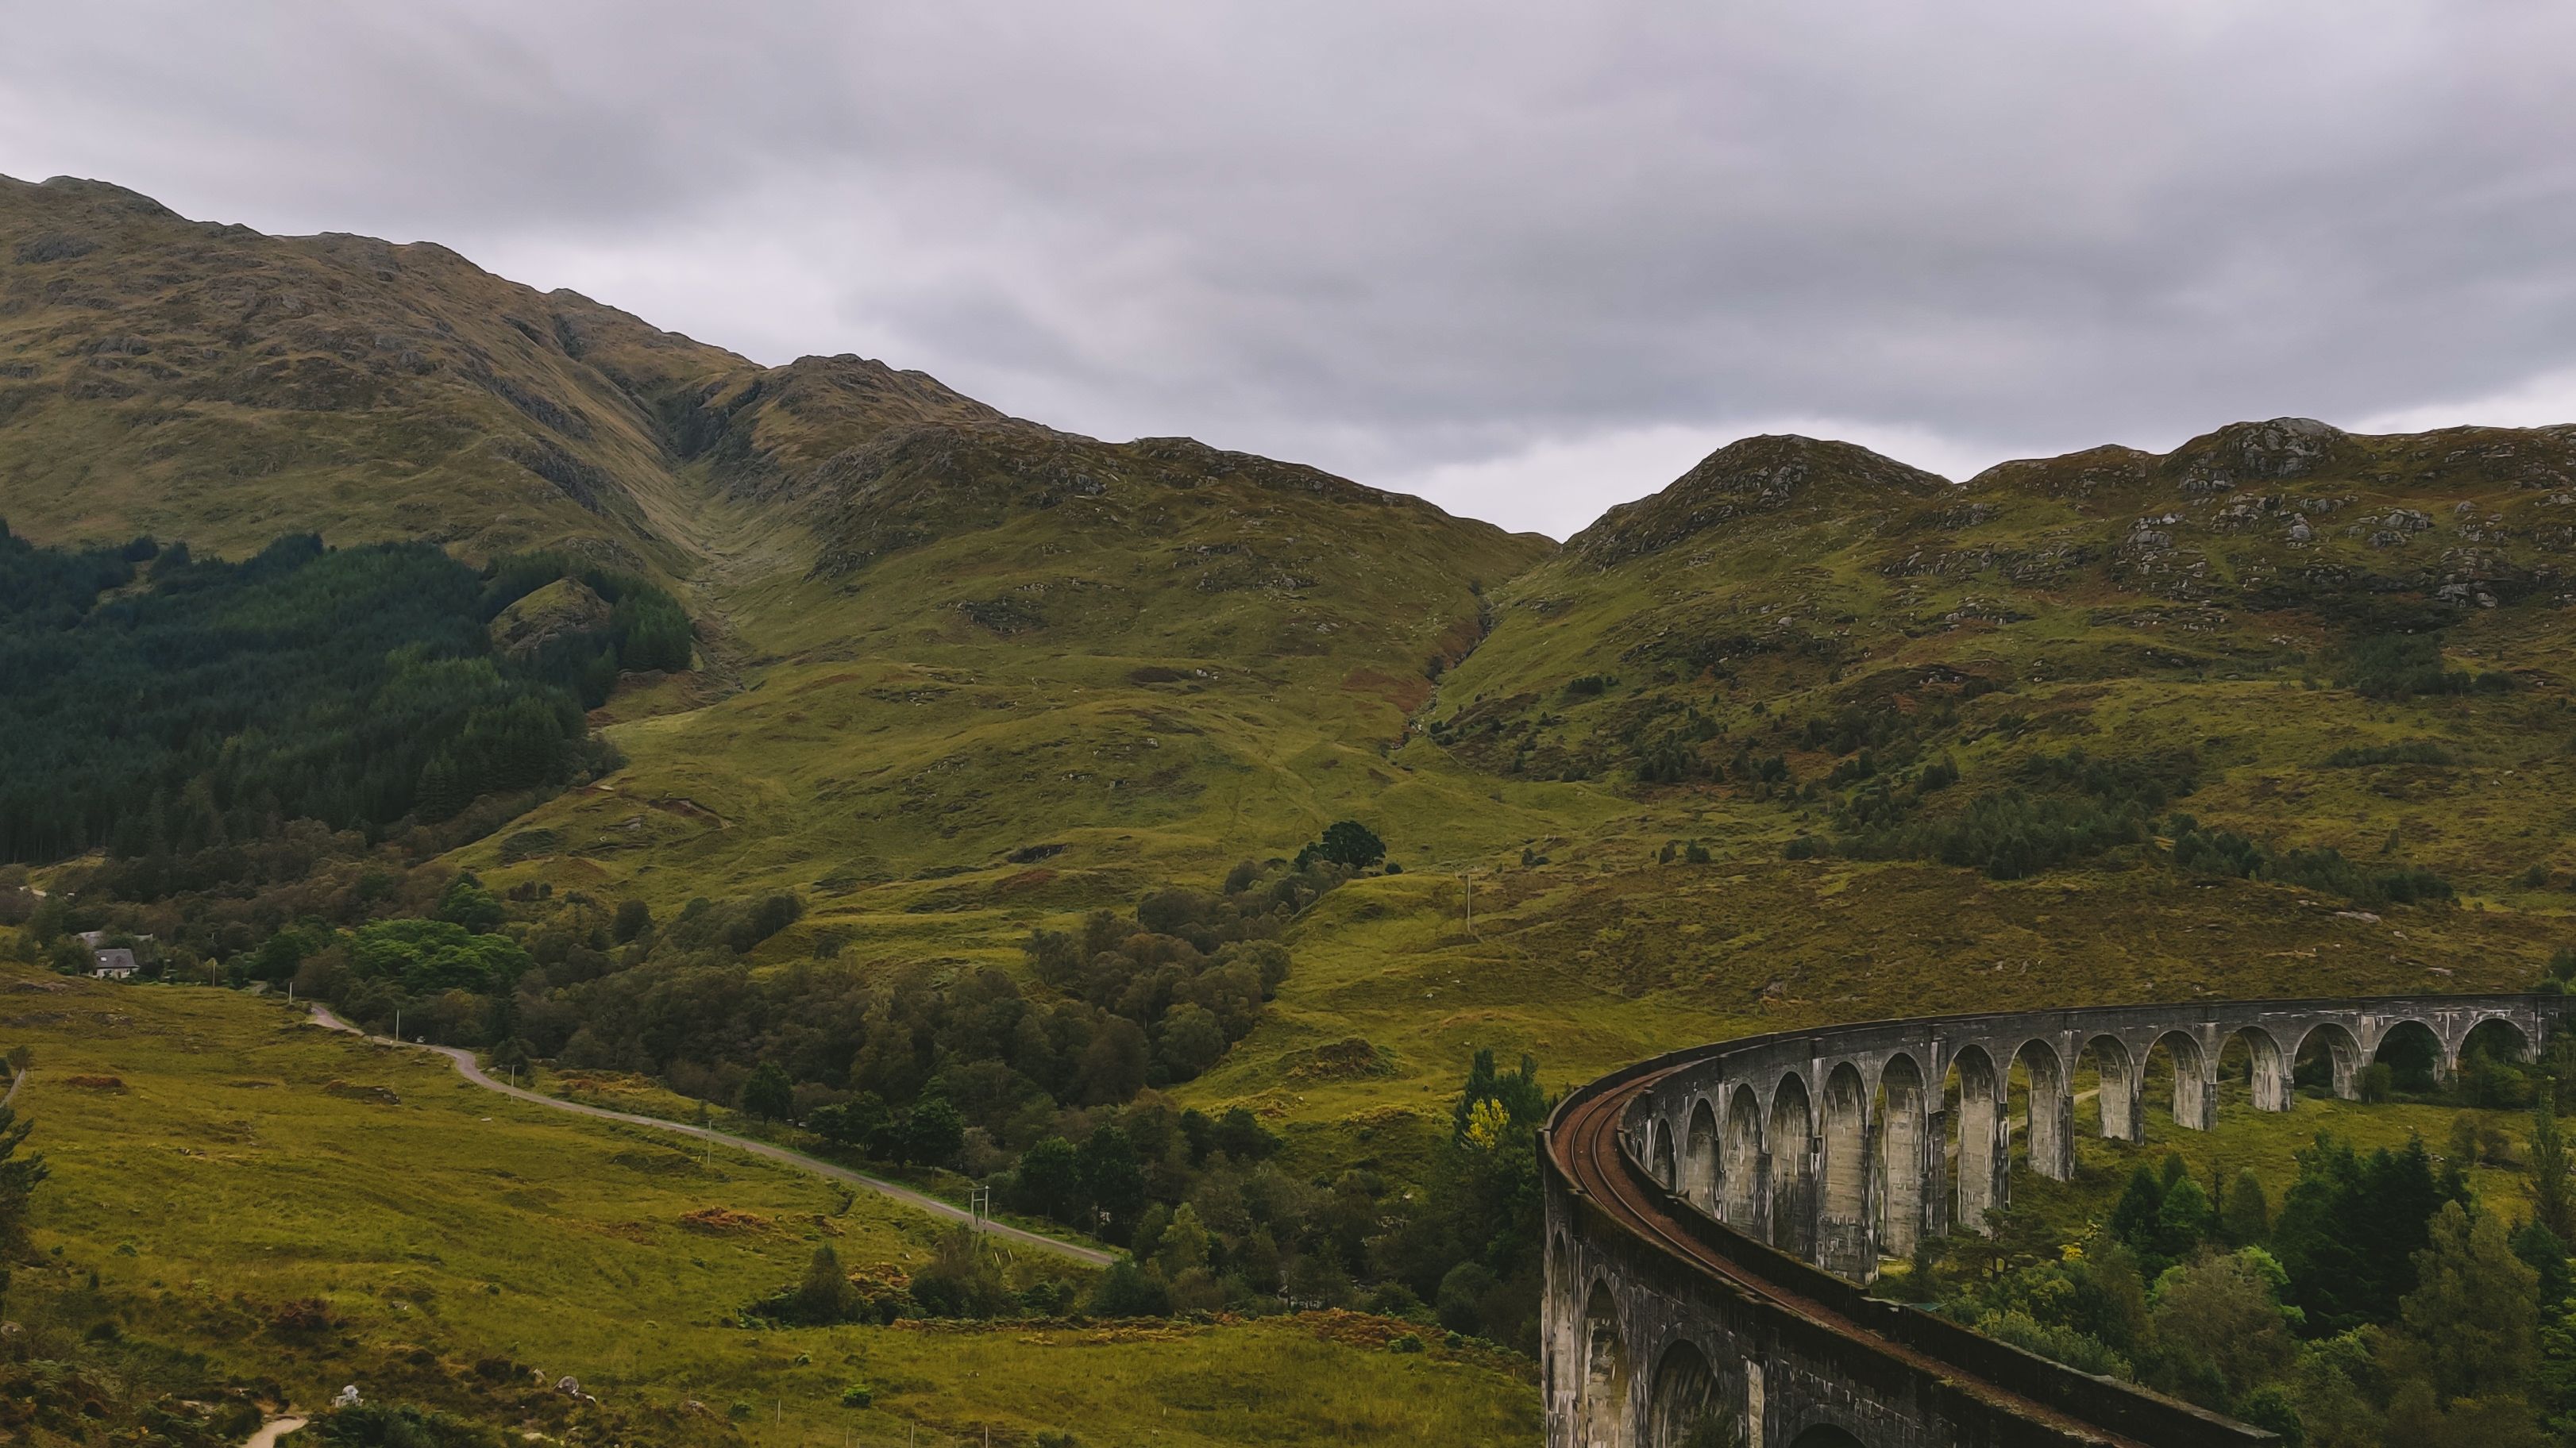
[
  {"x": 1808, "y": 735},
  {"x": 245, "y": 1207},
  {"x": 964, "y": 675}
]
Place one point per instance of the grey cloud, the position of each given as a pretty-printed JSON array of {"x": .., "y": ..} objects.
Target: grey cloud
[{"x": 1393, "y": 239}]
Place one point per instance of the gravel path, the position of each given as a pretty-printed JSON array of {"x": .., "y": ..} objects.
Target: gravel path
[
  {"x": 272, "y": 1430},
  {"x": 472, "y": 1071}
]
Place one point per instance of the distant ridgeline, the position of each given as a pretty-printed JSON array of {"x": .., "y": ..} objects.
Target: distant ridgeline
[{"x": 156, "y": 705}]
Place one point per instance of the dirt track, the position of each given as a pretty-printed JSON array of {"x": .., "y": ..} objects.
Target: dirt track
[{"x": 467, "y": 1067}]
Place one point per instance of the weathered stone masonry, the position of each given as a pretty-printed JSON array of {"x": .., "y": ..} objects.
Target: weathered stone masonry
[{"x": 1682, "y": 1280}]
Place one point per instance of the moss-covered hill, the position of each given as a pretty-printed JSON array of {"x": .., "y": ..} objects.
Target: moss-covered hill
[
  {"x": 184, "y": 378},
  {"x": 1809, "y": 734},
  {"x": 938, "y": 636}
]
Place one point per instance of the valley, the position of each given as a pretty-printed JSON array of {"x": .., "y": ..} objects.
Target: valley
[{"x": 1807, "y": 737}]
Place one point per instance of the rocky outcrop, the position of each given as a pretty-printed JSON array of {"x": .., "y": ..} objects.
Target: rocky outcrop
[{"x": 1757, "y": 476}]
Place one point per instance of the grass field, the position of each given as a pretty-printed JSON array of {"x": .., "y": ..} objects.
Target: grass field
[{"x": 216, "y": 1161}]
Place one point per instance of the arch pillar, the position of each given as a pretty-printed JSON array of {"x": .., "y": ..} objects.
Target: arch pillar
[
  {"x": 1796, "y": 1139},
  {"x": 1701, "y": 1159},
  {"x": 2195, "y": 1082},
  {"x": 2123, "y": 1081},
  {"x": 1846, "y": 1216},
  {"x": 2344, "y": 1054},
  {"x": 1905, "y": 1170},
  {"x": 2052, "y": 1110},
  {"x": 1985, "y": 1138},
  {"x": 1605, "y": 1410},
  {"x": 1744, "y": 1173},
  {"x": 1936, "y": 1162},
  {"x": 2271, "y": 1075}
]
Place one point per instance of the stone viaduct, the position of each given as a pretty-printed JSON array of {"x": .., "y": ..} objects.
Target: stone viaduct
[{"x": 1711, "y": 1212}]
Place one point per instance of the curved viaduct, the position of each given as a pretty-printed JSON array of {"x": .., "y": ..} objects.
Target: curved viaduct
[{"x": 1711, "y": 1212}]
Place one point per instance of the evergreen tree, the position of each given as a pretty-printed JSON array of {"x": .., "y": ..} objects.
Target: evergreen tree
[
  {"x": 2541, "y": 1250},
  {"x": 1519, "y": 1099},
  {"x": 2349, "y": 1229},
  {"x": 2182, "y": 1221},
  {"x": 19, "y": 1178},
  {"x": 2245, "y": 1219},
  {"x": 2468, "y": 1325},
  {"x": 2552, "y": 1183},
  {"x": 2134, "y": 1216}
]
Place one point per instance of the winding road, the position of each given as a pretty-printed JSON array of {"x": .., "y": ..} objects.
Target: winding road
[{"x": 467, "y": 1067}]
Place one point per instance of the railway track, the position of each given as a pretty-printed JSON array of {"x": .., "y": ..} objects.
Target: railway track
[{"x": 1584, "y": 1141}]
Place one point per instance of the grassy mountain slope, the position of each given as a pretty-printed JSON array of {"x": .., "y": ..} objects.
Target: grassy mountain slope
[
  {"x": 266, "y": 1203},
  {"x": 205, "y": 381},
  {"x": 1138, "y": 658},
  {"x": 981, "y": 673},
  {"x": 2244, "y": 619}
]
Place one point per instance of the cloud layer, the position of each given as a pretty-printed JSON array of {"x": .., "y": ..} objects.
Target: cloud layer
[{"x": 1528, "y": 259}]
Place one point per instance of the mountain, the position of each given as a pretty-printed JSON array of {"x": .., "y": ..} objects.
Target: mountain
[
  {"x": 890, "y": 822},
  {"x": 963, "y": 673},
  {"x": 201, "y": 380},
  {"x": 936, "y": 634}
]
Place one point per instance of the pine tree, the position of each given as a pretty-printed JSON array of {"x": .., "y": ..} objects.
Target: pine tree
[
  {"x": 2182, "y": 1221},
  {"x": 2470, "y": 1319},
  {"x": 19, "y": 1178},
  {"x": 2246, "y": 1218},
  {"x": 2133, "y": 1219},
  {"x": 2552, "y": 1183}
]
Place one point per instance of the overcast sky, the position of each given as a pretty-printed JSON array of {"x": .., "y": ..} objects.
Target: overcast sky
[{"x": 1528, "y": 260}]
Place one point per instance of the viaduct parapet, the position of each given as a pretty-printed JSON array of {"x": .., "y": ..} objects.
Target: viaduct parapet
[{"x": 1712, "y": 1213}]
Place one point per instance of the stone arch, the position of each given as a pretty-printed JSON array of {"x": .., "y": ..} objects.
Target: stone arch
[
  {"x": 2340, "y": 1068},
  {"x": 1983, "y": 1147},
  {"x": 1843, "y": 1236},
  {"x": 1684, "y": 1398},
  {"x": 1700, "y": 1157},
  {"x": 2195, "y": 1102},
  {"x": 1793, "y": 1181},
  {"x": 1741, "y": 1190},
  {"x": 1899, "y": 1153},
  {"x": 1601, "y": 1415},
  {"x": 2502, "y": 1036},
  {"x": 2488, "y": 1061},
  {"x": 2052, "y": 1109},
  {"x": 2267, "y": 1066},
  {"x": 1661, "y": 1138},
  {"x": 2412, "y": 1050},
  {"x": 2117, "y": 1091}
]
